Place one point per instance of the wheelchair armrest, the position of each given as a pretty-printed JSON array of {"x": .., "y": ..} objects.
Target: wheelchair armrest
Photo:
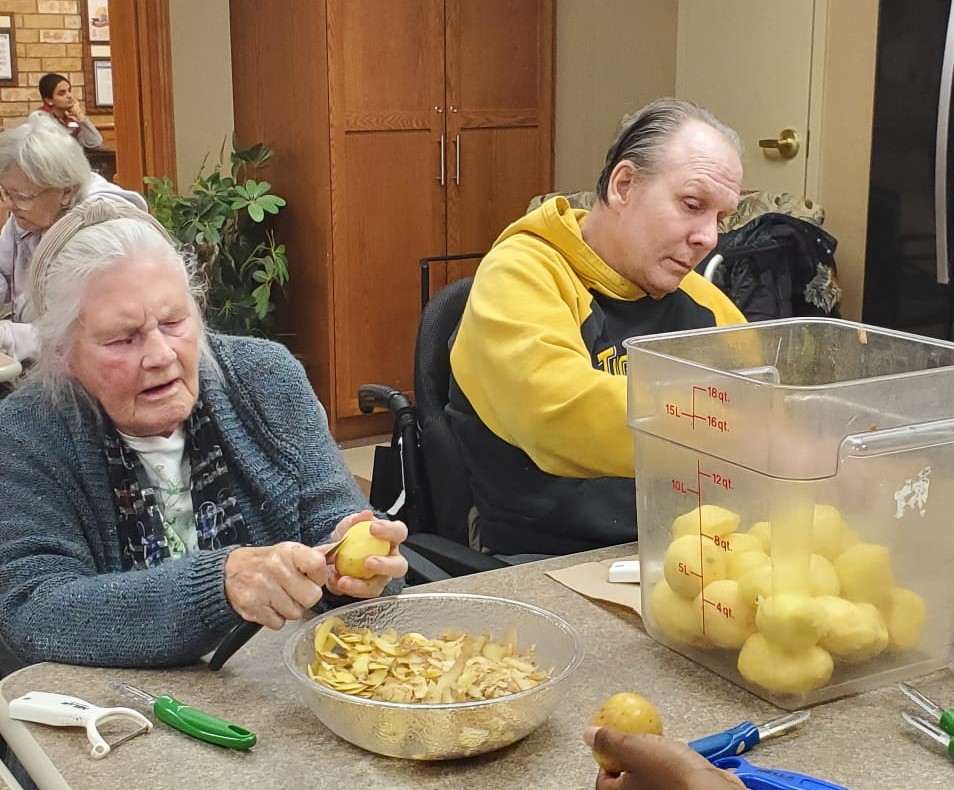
[
  {"x": 456, "y": 559},
  {"x": 421, "y": 570}
]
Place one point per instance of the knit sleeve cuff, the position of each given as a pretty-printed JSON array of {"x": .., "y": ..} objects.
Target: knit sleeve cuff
[{"x": 206, "y": 586}]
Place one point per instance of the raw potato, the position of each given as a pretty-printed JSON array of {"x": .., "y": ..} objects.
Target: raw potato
[
  {"x": 678, "y": 618},
  {"x": 714, "y": 520},
  {"x": 359, "y": 544},
  {"x": 828, "y": 531},
  {"x": 823, "y": 579},
  {"x": 756, "y": 583},
  {"x": 727, "y": 620},
  {"x": 782, "y": 671},
  {"x": 905, "y": 613},
  {"x": 763, "y": 531},
  {"x": 740, "y": 564},
  {"x": 689, "y": 560},
  {"x": 741, "y": 542},
  {"x": 628, "y": 713},
  {"x": 864, "y": 571},
  {"x": 791, "y": 622},
  {"x": 856, "y": 631}
]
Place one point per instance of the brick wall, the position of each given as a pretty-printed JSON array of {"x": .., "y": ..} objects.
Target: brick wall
[{"x": 50, "y": 36}]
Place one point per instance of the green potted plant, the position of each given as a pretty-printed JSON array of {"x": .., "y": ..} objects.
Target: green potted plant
[{"x": 222, "y": 222}]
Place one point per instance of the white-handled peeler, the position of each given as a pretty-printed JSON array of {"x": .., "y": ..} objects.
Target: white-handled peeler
[{"x": 60, "y": 710}]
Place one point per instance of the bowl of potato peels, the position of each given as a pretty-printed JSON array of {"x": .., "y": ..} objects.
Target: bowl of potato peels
[{"x": 433, "y": 676}]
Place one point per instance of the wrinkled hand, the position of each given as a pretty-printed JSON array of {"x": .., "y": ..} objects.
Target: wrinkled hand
[
  {"x": 654, "y": 762},
  {"x": 272, "y": 584},
  {"x": 393, "y": 566}
]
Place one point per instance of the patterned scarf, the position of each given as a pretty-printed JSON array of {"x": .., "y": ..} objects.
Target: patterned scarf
[{"x": 142, "y": 536}]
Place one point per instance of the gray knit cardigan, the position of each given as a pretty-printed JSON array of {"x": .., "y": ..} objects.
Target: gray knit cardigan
[{"x": 63, "y": 595}]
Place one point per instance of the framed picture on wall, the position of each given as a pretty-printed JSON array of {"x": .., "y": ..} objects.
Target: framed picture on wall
[
  {"x": 8, "y": 51},
  {"x": 97, "y": 17},
  {"x": 103, "y": 83}
]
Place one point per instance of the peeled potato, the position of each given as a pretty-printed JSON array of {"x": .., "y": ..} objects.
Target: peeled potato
[
  {"x": 905, "y": 614},
  {"x": 742, "y": 542},
  {"x": 677, "y": 617},
  {"x": 763, "y": 531},
  {"x": 727, "y": 619},
  {"x": 628, "y": 713},
  {"x": 689, "y": 560},
  {"x": 783, "y": 671},
  {"x": 828, "y": 531},
  {"x": 855, "y": 632},
  {"x": 864, "y": 571},
  {"x": 739, "y": 565},
  {"x": 756, "y": 583},
  {"x": 712, "y": 519},
  {"x": 358, "y": 545},
  {"x": 791, "y": 621},
  {"x": 822, "y": 577}
]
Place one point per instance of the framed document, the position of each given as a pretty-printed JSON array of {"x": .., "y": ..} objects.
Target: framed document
[
  {"x": 97, "y": 19},
  {"x": 8, "y": 51},
  {"x": 103, "y": 83}
]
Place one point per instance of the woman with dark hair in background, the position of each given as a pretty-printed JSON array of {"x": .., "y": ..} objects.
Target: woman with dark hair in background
[{"x": 59, "y": 102}]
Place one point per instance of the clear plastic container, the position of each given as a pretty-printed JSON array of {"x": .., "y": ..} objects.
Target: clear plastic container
[{"x": 824, "y": 450}]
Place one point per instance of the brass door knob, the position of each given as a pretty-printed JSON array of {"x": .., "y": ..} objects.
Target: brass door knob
[{"x": 786, "y": 144}]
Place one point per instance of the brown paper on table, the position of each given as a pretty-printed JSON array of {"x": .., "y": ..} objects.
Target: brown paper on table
[{"x": 589, "y": 579}]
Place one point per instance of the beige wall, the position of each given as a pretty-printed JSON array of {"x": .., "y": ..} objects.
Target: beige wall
[
  {"x": 49, "y": 36},
  {"x": 847, "y": 102},
  {"x": 202, "y": 82},
  {"x": 612, "y": 56}
]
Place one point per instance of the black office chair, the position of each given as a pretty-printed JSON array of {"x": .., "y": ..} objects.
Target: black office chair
[{"x": 424, "y": 461}]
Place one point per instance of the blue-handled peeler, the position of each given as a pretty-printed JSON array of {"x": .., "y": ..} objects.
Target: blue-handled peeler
[
  {"x": 772, "y": 779},
  {"x": 744, "y": 736}
]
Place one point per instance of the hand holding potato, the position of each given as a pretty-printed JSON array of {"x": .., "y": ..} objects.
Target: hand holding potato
[
  {"x": 273, "y": 584},
  {"x": 363, "y": 567},
  {"x": 652, "y": 762}
]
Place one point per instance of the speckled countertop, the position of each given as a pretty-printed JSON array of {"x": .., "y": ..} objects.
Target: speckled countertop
[{"x": 859, "y": 742}]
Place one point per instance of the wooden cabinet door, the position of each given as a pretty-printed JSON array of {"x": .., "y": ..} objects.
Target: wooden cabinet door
[
  {"x": 386, "y": 100},
  {"x": 499, "y": 65}
]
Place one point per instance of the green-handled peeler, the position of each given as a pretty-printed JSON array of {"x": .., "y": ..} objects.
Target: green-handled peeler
[
  {"x": 942, "y": 718},
  {"x": 194, "y": 722},
  {"x": 930, "y": 730}
]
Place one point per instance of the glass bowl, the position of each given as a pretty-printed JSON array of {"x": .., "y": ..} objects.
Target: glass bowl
[{"x": 441, "y": 731}]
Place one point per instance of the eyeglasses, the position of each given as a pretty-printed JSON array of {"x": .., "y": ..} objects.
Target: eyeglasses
[{"x": 18, "y": 199}]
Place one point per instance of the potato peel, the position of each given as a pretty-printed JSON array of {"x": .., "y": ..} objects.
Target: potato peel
[{"x": 410, "y": 667}]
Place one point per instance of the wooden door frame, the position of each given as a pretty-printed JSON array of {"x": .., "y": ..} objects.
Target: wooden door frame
[{"x": 142, "y": 89}]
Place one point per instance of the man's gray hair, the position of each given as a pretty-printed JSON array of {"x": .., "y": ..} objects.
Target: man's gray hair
[
  {"x": 47, "y": 154},
  {"x": 92, "y": 238},
  {"x": 644, "y": 134}
]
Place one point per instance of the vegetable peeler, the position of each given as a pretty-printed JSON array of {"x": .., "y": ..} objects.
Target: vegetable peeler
[
  {"x": 744, "y": 736},
  {"x": 772, "y": 779},
  {"x": 943, "y": 718},
  {"x": 60, "y": 710},
  {"x": 930, "y": 730},
  {"x": 244, "y": 631},
  {"x": 193, "y": 722}
]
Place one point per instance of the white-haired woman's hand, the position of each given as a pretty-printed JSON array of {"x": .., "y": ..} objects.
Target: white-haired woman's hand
[
  {"x": 386, "y": 567},
  {"x": 273, "y": 584}
]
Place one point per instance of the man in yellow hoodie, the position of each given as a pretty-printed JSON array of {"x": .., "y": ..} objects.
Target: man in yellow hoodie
[{"x": 538, "y": 391}]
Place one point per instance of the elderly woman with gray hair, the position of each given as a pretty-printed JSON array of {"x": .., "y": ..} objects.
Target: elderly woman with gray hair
[
  {"x": 160, "y": 483},
  {"x": 43, "y": 173}
]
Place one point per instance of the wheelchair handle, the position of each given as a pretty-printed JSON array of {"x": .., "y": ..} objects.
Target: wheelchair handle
[{"x": 380, "y": 396}]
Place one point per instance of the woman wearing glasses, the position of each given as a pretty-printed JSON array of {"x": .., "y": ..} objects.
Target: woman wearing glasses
[{"x": 43, "y": 173}]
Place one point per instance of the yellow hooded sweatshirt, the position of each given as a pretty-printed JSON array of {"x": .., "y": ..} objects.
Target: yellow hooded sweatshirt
[{"x": 538, "y": 397}]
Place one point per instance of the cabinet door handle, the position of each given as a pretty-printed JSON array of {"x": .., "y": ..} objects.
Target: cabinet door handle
[
  {"x": 457, "y": 159},
  {"x": 443, "y": 176}
]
